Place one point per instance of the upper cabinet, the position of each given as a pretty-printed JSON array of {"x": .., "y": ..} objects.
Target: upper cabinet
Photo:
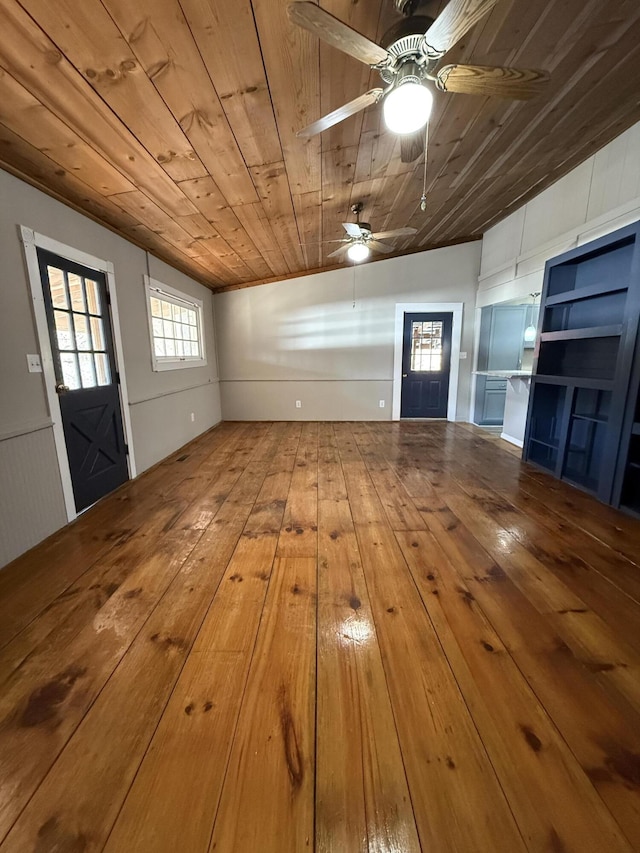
[{"x": 583, "y": 420}]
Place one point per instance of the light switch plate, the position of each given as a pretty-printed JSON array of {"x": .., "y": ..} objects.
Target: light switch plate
[
  {"x": 463, "y": 355},
  {"x": 33, "y": 363}
]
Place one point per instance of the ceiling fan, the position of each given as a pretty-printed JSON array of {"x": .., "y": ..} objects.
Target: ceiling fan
[
  {"x": 414, "y": 48},
  {"x": 360, "y": 240}
]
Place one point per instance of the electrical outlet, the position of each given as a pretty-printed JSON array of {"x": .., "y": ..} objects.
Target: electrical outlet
[
  {"x": 33, "y": 363},
  {"x": 381, "y": 404},
  {"x": 193, "y": 417},
  {"x": 298, "y": 404}
]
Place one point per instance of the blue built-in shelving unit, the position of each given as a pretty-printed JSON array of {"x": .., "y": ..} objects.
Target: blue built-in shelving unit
[{"x": 583, "y": 423}]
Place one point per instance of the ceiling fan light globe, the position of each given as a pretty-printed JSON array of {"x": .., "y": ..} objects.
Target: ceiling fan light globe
[
  {"x": 407, "y": 107},
  {"x": 358, "y": 252}
]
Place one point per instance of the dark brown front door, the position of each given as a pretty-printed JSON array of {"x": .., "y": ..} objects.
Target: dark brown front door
[
  {"x": 86, "y": 380},
  {"x": 426, "y": 363}
]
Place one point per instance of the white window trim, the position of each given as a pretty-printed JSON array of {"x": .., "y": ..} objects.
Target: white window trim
[
  {"x": 151, "y": 286},
  {"x": 32, "y": 241}
]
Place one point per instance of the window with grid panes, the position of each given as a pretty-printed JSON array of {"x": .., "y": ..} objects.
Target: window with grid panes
[
  {"x": 175, "y": 325},
  {"x": 426, "y": 346},
  {"x": 78, "y": 318}
]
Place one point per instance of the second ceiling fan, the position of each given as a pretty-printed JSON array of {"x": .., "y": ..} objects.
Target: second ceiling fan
[{"x": 414, "y": 48}]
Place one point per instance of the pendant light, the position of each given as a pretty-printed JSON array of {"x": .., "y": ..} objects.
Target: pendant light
[{"x": 531, "y": 331}]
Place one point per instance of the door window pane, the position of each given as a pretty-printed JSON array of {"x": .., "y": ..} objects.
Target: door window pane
[
  {"x": 426, "y": 346},
  {"x": 93, "y": 296},
  {"x": 87, "y": 371},
  {"x": 83, "y": 338},
  {"x": 76, "y": 292},
  {"x": 70, "y": 373},
  {"x": 64, "y": 331},
  {"x": 57, "y": 288},
  {"x": 97, "y": 333},
  {"x": 103, "y": 373}
]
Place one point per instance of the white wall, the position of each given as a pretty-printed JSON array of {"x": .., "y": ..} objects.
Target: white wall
[
  {"x": 600, "y": 195},
  {"x": 304, "y": 339},
  {"x": 31, "y": 500}
]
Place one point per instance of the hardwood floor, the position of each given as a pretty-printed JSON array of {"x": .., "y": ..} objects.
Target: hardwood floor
[{"x": 346, "y": 637}]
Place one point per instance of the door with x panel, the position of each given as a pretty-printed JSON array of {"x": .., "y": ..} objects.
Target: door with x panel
[
  {"x": 77, "y": 306},
  {"x": 426, "y": 364}
]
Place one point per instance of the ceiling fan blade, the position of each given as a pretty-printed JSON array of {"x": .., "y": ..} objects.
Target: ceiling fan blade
[
  {"x": 518, "y": 83},
  {"x": 352, "y": 229},
  {"x": 454, "y": 21},
  {"x": 411, "y": 146},
  {"x": 398, "y": 232},
  {"x": 377, "y": 246},
  {"x": 334, "y": 32},
  {"x": 339, "y": 252},
  {"x": 353, "y": 107}
]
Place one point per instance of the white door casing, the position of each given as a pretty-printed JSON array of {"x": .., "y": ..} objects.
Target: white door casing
[{"x": 32, "y": 241}]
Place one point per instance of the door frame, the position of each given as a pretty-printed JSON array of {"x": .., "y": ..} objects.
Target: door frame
[
  {"x": 403, "y": 308},
  {"x": 32, "y": 241}
]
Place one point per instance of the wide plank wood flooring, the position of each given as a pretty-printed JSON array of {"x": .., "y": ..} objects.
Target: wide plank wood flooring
[{"x": 349, "y": 637}]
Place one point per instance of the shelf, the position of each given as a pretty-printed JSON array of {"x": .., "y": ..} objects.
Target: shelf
[
  {"x": 631, "y": 510},
  {"x": 590, "y": 486},
  {"x": 591, "y": 418},
  {"x": 577, "y": 381},
  {"x": 583, "y": 362},
  {"x": 585, "y": 292},
  {"x": 552, "y": 445},
  {"x": 580, "y": 334}
]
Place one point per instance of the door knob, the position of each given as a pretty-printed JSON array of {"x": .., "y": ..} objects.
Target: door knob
[
  {"x": 404, "y": 375},
  {"x": 61, "y": 388}
]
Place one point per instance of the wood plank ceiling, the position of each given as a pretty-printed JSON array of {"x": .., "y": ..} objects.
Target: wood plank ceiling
[{"x": 173, "y": 122}]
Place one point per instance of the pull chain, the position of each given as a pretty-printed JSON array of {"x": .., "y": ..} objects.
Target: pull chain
[
  {"x": 354, "y": 286},
  {"x": 423, "y": 199}
]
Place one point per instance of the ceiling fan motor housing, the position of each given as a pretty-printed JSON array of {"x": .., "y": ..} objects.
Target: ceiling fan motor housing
[{"x": 405, "y": 43}]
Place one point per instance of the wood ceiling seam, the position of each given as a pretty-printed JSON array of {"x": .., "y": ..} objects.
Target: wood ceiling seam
[
  {"x": 170, "y": 57},
  {"x": 209, "y": 200},
  {"x": 551, "y": 105},
  {"x": 65, "y": 95},
  {"x": 562, "y": 168},
  {"x": 450, "y": 213},
  {"x": 100, "y": 209},
  {"x": 285, "y": 50},
  {"x": 107, "y": 63},
  {"x": 24, "y": 113}
]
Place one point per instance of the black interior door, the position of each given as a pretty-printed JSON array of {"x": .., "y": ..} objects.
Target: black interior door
[
  {"x": 86, "y": 379},
  {"x": 426, "y": 364}
]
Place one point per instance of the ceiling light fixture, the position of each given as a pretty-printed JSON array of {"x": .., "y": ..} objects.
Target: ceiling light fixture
[
  {"x": 408, "y": 106},
  {"x": 358, "y": 252},
  {"x": 531, "y": 331}
]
